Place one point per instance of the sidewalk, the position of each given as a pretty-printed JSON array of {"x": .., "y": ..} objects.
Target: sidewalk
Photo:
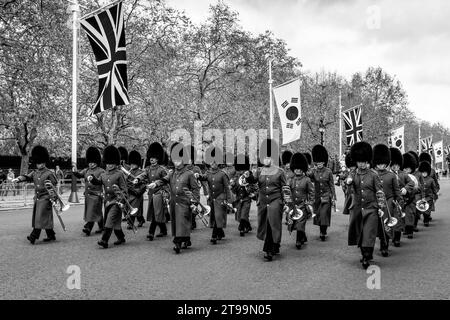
[{"x": 20, "y": 203}]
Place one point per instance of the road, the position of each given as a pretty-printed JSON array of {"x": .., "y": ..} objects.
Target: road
[{"x": 233, "y": 269}]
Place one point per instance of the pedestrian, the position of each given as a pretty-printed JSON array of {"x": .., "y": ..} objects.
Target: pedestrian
[
  {"x": 270, "y": 179},
  {"x": 325, "y": 195},
  {"x": 364, "y": 217},
  {"x": 60, "y": 176},
  {"x": 381, "y": 160},
  {"x": 93, "y": 197},
  {"x": 301, "y": 191},
  {"x": 42, "y": 209},
  {"x": 10, "y": 184},
  {"x": 113, "y": 182},
  {"x": 219, "y": 192},
  {"x": 155, "y": 211},
  {"x": 3, "y": 181}
]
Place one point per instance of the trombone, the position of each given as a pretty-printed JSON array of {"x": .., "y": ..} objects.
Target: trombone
[
  {"x": 57, "y": 202},
  {"x": 127, "y": 210},
  {"x": 390, "y": 221},
  {"x": 422, "y": 205},
  {"x": 204, "y": 211}
]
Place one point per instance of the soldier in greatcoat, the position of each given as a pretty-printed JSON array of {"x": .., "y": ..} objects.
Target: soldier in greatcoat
[
  {"x": 136, "y": 191},
  {"x": 302, "y": 195},
  {"x": 427, "y": 190},
  {"x": 243, "y": 194},
  {"x": 424, "y": 156},
  {"x": 93, "y": 197},
  {"x": 364, "y": 217},
  {"x": 409, "y": 168},
  {"x": 114, "y": 188},
  {"x": 270, "y": 179},
  {"x": 218, "y": 192},
  {"x": 406, "y": 186},
  {"x": 381, "y": 161},
  {"x": 153, "y": 172},
  {"x": 42, "y": 217},
  {"x": 184, "y": 191},
  {"x": 325, "y": 195}
]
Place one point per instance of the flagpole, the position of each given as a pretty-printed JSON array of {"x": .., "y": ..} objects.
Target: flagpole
[
  {"x": 75, "y": 11},
  {"x": 340, "y": 124},
  {"x": 270, "y": 99},
  {"x": 420, "y": 148}
]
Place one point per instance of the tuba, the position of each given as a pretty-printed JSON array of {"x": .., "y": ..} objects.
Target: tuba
[{"x": 422, "y": 205}]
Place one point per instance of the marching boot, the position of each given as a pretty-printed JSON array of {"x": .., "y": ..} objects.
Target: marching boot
[
  {"x": 98, "y": 231},
  {"x": 242, "y": 233},
  {"x": 177, "y": 248},
  {"x": 186, "y": 244},
  {"x": 31, "y": 239},
  {"x": 268, "y": 256},
  {"x": 213, "y": 240},
  {"x": 397, "y": 237},
  {"x": 103, "y": 244},
  {"x": 120, "y": 237},
  {"x": 87, "y": 232},
  {"x": 50, "y": 235},
  {"x": 298, "y": 245},
  {"x": 150, "y": 237}
]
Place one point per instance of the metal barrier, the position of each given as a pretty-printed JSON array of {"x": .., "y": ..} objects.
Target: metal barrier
[{"x": 22, "y": 194}]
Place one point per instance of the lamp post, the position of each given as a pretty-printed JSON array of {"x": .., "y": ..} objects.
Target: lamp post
[{"x": 321, "y": 130}]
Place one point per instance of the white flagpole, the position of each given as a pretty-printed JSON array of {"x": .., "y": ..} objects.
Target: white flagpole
[
  {"x": 420, "y": 147},
  {"x": 271, "y": 99},
  {"x": 340, "y": 124},
  {"x": 75, "y": 11}
]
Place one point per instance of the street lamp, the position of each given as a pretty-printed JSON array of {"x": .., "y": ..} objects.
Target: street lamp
[{"x": 321, "y": 130}]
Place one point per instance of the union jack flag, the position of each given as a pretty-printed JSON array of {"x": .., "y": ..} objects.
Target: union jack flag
[
  {"x": 106, "y": 34},
  {"x": 426, "y": 145},
  {"x": 353, "y": 125}
]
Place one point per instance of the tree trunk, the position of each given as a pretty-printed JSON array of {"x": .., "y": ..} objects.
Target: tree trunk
[{"x": 24, "y": 164}]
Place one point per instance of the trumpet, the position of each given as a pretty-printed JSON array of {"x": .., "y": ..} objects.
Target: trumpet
[
  {"x": 126, "y": 172},
  {"x": 204, "y": 211},
  {"x": 127, "y": 210},
  {"x": 57, "y": 202},
  {"x": 400, "y": 211}
]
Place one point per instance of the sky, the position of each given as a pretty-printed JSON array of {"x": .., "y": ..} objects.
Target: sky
[{"x": 409, "y": 39}]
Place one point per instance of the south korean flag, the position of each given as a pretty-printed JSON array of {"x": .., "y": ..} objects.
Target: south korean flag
[
  {"x": 287, "y": 99},
  {"x": 397, "y": 139}
]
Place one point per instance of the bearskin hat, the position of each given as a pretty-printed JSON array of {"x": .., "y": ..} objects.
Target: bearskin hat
[
  {"x": 424, "y": 156},
  {"x": 299, "y": 161},
  {"x": 123, "y": 154},
  {"x": 212, "y": 154},
  {"x": 39, "y": 154},
  {"x": 381, "y": 155},
  {"x": 409, "y": 161},
  {"x": 269, "y": 148},
  {"x": 135, "y": 158},
  {"x": 165, "y": 160},
  {"x": 93, "y": 155},
  {"x": 425, "y": 166},
  {"x": 416, "y": 156},
  {"x": 241, "y": 163},
  {"x": 349, "y": 161},
  {"x": 319, "y": 154},
  {"x": 286, "y": 157},
  {"x": 308, "y": 157},
  {"x": 155, "y": 150},
  {"x": 361, "y": 152},
  {"x": 111, "y": 155},
  {"x": 396, "y": 157}
]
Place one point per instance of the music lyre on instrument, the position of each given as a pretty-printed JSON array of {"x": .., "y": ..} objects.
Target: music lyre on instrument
[{"x": 57, "y": 203}]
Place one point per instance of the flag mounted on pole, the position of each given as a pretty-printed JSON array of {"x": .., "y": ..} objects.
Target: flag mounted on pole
[
  {"x": 287, "y": 98},
  {"x": 397, "y": 139},
  {"x": 438, "y": 152},
  {"x": 353, "y": 125},
  {"x": 426, "y": 145},
  {"x": 106, "y": 33}
]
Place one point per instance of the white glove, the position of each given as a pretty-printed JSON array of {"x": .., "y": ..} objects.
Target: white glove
[
  {"x": 349, "y": 180},
  {"x": 152, "y": 185},
  {"x": 89, "y": 179},
  {"x": 135, "y": 181},
  {"x": 380, "y": 213},
  {"x": 247, "y": 174},
  {"x": 196, "y": 175},
  {"x": 403, "y": 191},
  {"x": 15, "y": 180}
]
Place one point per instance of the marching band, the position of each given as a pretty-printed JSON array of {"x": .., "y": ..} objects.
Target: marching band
[{"x": 386, "y": 194}]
